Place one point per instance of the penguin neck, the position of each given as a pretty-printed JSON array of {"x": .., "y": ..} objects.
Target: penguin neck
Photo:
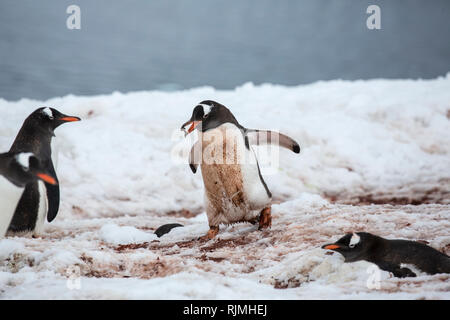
[
  {"x": 379, "y": 249},
  {"x": 34, "y": 139}
]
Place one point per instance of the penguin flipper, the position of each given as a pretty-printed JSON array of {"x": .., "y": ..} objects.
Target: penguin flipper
[
  {"x": 52, "y": 196},
  {"x": 260, "y": 137},
  {"x": 195, "y": 156},
  {"x": 162, "y": 230}
]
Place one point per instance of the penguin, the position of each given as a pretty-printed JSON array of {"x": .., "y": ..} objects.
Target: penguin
[
  {"x": 40, "y": 199},
  {"x": 16, "y": 171},
  {"x": 391, "y": 255},
  {"x": 166, "y": 228},
  {"x": 235, "y": 190}
]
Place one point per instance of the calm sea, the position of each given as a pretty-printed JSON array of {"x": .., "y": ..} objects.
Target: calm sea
[{"x": 175, "y": 44}]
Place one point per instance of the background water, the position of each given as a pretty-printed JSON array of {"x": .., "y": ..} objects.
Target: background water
[{"x": 173, "y": 44}]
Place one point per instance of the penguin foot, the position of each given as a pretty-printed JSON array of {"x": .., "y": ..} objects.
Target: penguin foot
[
  {"x": 265, "y": 218},
  {"x": 212, "y": 232}
]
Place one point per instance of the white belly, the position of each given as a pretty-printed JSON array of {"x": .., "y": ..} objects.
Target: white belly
[
  {"x": 239, "y": 194},
  {"x": 55, "y": 152},
  {"x": 9, "y": 198},
  {"x": 42, "y": 210}
]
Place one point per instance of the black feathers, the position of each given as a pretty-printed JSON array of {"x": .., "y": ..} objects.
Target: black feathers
[{"x": 166, "y": 229}]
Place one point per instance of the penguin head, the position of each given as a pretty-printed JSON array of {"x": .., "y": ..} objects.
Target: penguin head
[
  {"x": 353, "y": 246},
  {"x": 208, "y": 115},
  {"x": 25, "y": 167},
  {"x": 48, "y": 119}
]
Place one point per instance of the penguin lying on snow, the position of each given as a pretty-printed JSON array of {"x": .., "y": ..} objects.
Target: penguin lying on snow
[
  {"x": 39, "y": 199},
  {"x": 390, "y": 255},
  {"x": 235, "y": 191},
  {"x": 16, "y": 170}
]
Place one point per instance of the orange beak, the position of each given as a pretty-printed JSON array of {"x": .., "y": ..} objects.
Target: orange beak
[
  {"x": 46, "y": 178},
  {"x": 331, "y": 247},
  {"x": 193, "y": 124},
  {"x": 69, "y": 119}
]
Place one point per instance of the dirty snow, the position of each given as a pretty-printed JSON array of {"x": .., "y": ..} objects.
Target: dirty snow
[{"x": 375, "y": 157}]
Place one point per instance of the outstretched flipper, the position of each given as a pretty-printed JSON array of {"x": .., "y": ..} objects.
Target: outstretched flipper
[
  {"x": 53, "y": 196},
  {"x": 195, "y": 156},
  {"x": 260, "y": 137}
]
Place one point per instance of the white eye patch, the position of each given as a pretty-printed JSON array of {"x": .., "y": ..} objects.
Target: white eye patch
[
  {"x": 47, "y": 111},
  {"x": 206, "y": 109},
  {"x": 354, "y": 240},
  {"x": 24, "y": 159}
]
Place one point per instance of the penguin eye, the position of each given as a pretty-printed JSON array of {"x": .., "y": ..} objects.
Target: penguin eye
[{"x": 205, "y": 115}]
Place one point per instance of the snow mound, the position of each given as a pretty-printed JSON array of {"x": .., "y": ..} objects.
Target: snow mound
[{"x": 116, "y": 235}]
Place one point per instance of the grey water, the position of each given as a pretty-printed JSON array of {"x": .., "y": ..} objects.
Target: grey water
[{"x": 177, "y": 44}]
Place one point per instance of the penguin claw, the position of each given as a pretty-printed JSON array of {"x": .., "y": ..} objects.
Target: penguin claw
[
  {"x": 265, "y": 219},
  {"x": 212, "y": 232}
]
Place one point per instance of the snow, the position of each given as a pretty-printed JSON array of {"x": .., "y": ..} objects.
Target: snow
[
  {"x": 123, "y": 173},
  {"x": 113, "y": 234}
]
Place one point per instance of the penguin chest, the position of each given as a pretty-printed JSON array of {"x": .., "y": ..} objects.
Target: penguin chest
[
  {"x": 9, "y": 198},
  {"x": 233, "y": 188},
  {"x": 42, "y": 208}
]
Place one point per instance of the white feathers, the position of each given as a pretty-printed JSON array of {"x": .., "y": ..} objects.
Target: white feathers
[
  {"x": 225, "y": 145},
  {"x": 42, "y": 209},
  {"x": 354, "y": 240},
  {"x": 48, "y": 112},
  {"x": 206, "y": 109},
  {"x": 9, "y": 197},
  {"x": 23, "y": 159}
]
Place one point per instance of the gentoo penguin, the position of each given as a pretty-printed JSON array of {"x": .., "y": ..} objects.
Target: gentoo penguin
[
  {"x": 235, "y": 191},
  {"x": 16, "y": 170},
  {"x": 40, "y": 199},
  {"x": 391, "y": 255},
  {"x": 162, "y": 230}
]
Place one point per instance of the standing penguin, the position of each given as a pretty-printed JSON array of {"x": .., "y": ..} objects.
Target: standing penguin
[
  {"x": 16, "y": 170},
  {"x": 235, "y": 191},
  {"x": 39, "y": 199}
]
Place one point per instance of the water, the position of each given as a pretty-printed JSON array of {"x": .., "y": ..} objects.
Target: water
[{"x": 174, "y": 44}]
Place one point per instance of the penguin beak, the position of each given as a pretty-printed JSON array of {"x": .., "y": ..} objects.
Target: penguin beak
[
  {"x": 69, "y": 119},
  {"x": 193, "y": 124},
  {"x": 331, "y": 246},
  {"x": 46, "y": 178}
]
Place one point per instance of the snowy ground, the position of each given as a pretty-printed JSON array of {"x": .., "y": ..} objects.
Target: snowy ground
[{"x": 385, "y": 142}]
